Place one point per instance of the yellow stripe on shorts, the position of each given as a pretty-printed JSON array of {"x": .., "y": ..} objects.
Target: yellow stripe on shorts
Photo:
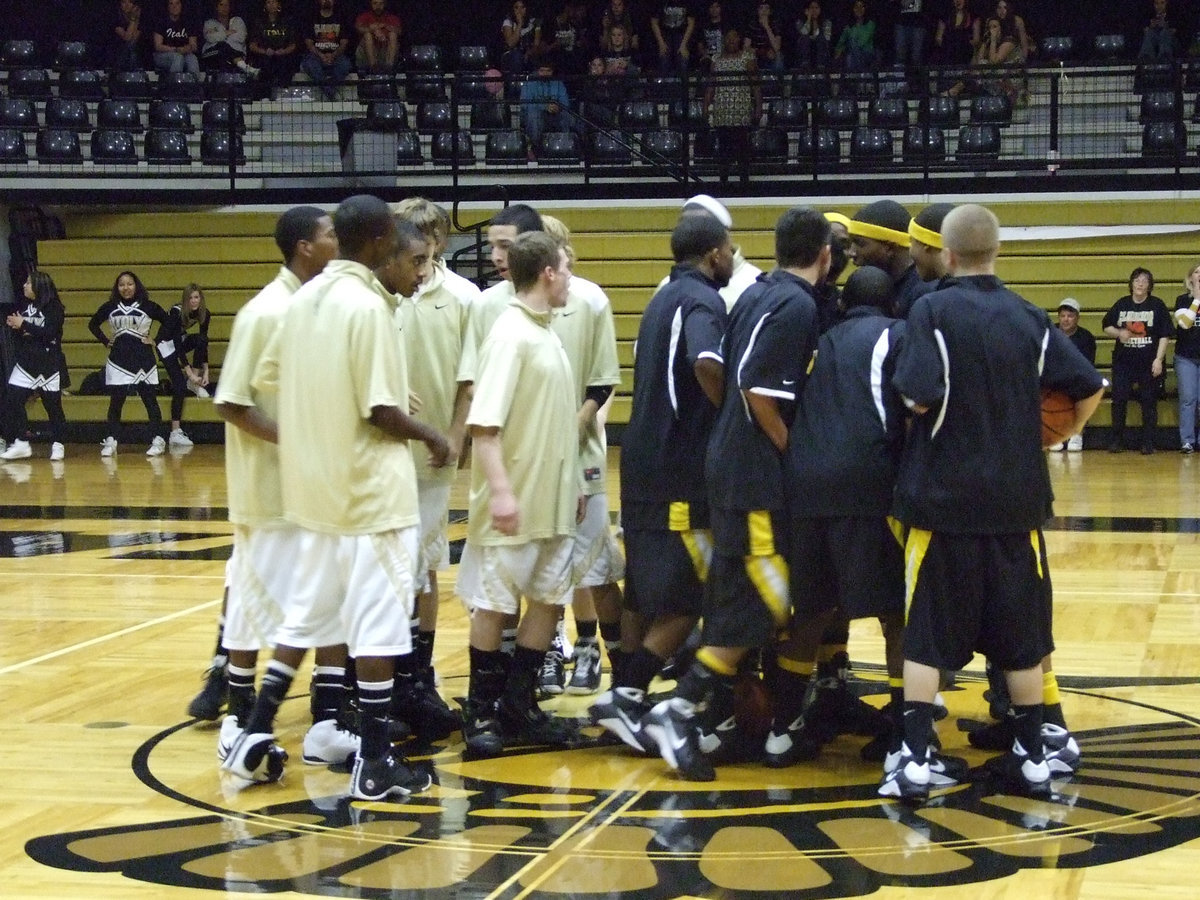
[
  {"x": 915, "y": 549},
  {"x": 679, "y": 516},
  {"x": 762, "y": 535},
  {"x": 699, "y": 548},
  {"x": 1036, "y": 540},
  {"x": 897, "y": 529},
  {"x": 769, "y": 575}
]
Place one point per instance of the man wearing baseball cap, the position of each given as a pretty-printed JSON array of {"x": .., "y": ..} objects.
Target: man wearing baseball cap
[{"x": 1085, "y": 343}]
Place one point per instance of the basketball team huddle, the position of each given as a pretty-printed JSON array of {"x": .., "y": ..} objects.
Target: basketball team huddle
[{"x": 797, "y": 456}]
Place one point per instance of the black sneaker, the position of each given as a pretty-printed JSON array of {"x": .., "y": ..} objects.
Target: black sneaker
[
  {"x": 671, "y": 724},
  {"x": 907, "y": 780},
  {"x": 375, "y": 779},
  {"x": 427, "y": 714},
  {"x": 207, "y": 704},
  {"x": 585, "y": 676},
  {"x": 255, "y": 759},
  {"x": 532, "y": 725},
  {"x": 481, "y": 731},
  {"x": 834, "y": 709},
  {"x": 998, "y": 736},
  {"x": 620, "y": 712},
  {"x": 790, "y": 744},
  {"x": 1015, "y": 773},
  {"x": 553, "y": 675}
]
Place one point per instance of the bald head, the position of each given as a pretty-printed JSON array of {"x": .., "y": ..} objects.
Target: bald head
[{"x": 971, "y": 236}]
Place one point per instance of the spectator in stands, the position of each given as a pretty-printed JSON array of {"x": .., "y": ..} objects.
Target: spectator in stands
[
  {"x": 957, "y": 36},
  {"x": 185, "y": 332},
  {"x": 711, "y": 37},
  {"x": 176, "y": 40},
  {"x": 814, "y": 39},
  {"x": 764, "y": 37},
  {"x": 225, "y": 37},
  {"x": 909, "y": 33},
  {"x": 273, "y": 47},
  {"x": 1085, "y": 343},
  {"x": 672, "y": 24},
  {"x": 125, "y": 49},
  {"x": 733, "y": 99},
  {"x": 522, "y": 34},
  {"x": 996, "y": 50},
  {"x": 326, "y": 33},
  {"x": 1187, "y": 358},
  {"x": 37, "y": 326},
  {"x": 618, "y": 58},
  {"x": 1141, "y": 325},
  {"x": 378, "y": 39},
  {"x": 1158, "y": 37},
  {"x": 544, "y": 104},
  {"x": 617, "y": 15},
  {"x": 572, "y": 42},
  {"x": 856, "y": 43},
  {"x": 1012, "y": 27},
  {"x": 601, "y": 95}
]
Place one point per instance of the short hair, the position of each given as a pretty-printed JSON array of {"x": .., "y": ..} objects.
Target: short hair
[
  {"x": 1141, "y": 270},
  {"x": 407, "y": 233},
  {"x": 558, "y": 230},
  {"x": 358, "y": 220},
  {"x": 297, "y": 224},
  {"x": 800, "y": 234},
  {"x": 521, "y": 215},
  {"x": 972, "y": 233},
  {"x": 869, "y": 286},
  {"x": 529, "y": 254},
  {"x": 695, "y": 236},
  {"x": 431, "y": 219}
]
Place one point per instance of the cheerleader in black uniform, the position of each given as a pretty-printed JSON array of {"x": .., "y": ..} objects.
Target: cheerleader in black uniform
[
  {"x": 39, "y": 367},
  {"x": 186, "y": 332},
  {"x": 132, "y": 366}
]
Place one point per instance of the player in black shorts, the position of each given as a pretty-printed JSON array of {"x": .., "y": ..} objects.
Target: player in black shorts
[
  {"x": 973, "y": 489},
  {"x": 772, "y": 333},
  {"x": 678, "y": 379}
]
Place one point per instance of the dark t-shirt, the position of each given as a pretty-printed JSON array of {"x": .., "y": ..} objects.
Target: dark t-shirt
[
  {"x": 672, "y": 19},
  {"x": 273, "y": 35},
  {"x": 1149, "y": 321},
  {"x": 177, "y": 33},
  {"x": 327, "y": 32},
  {"x": 1187, "y": 340},
  {"x": 1085, "y": 343}
]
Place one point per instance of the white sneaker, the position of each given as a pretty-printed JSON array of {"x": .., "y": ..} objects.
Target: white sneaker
[
  {"x": 326, "y": 743},
  {"x": 1055, "y": 448},
  {"x": 17, "y": 450},
  {"x": 179, "y": 439},
  {"x": 198, "y": 390},
  {"x": 1075, "y": 443},
  {"x": 157, "y": 447},
  {"x": 57, "y": 452},
  {"x": 230, "y": 731},
  {"x": 109, "y": 446}
]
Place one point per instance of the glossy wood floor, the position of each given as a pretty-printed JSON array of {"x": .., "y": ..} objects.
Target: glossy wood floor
[{"x": 111, "y": 577}]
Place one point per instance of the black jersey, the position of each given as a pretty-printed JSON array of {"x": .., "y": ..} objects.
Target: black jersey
[
  {"x": 38, "y": 342},
  {"x": 663, "y": 446},
  {"x": 1149, "y": 321},
  {"x": 976, "y": 355},
  {"x": 909, "y": 287},
  {"x": 768, "y": 346},
  {"x": 172, "y": 334},
  {"x": 844, "y": 445},
  {"x": 1187, "y": 340},
  {"x": 131, "y": 359}
]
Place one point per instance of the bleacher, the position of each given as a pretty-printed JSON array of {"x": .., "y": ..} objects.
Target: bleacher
[{"x": 625, "y": 248}]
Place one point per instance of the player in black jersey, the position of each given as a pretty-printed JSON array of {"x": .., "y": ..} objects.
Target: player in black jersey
[
  {"x": 879, "y": 237},
  {"x": 678, "y": 379},
  {"x": 772, "y": 333},
  {"x": 37, "y": 328}
]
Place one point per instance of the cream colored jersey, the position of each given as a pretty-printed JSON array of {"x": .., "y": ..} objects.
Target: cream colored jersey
[
  {"x": 337, "y": 354},
  {"x": 585, "y": 327},
  {"x": 434, "y": 323},
  {"x": 526, "y": 389},
  {"x": 252, "y": 464},
  {"x": 484, "y": 313},
  {"x": 745, "y": 273}
]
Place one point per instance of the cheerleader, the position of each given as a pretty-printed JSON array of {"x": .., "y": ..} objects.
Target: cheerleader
[
  {"x": 39, "y": 367},
  {"x": 186, "y": 332},
  {"x": 131, "y": 367}
]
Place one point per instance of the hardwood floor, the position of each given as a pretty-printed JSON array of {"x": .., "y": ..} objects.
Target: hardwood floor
[{"x": 112, "y": 579}]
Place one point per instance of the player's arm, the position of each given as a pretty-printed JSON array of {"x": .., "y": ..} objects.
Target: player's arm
[
  {"x": 251, "y": 420},
  {"x": 710, "y": 373},
  {"x": 594, "y": 398},
  {"x": 393, "y": 421},
  {"x": 506, "y": 517},
  {"x": 1084, "y": 409},
  {"x": 456, "y": 434},
  {"x": 765, "y": 410}
]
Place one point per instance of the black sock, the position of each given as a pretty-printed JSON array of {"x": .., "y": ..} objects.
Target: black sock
[
  {"x": 585, "y": 629},
  {"x": 640, "y": 668},
  {"x": 522, "y": 676},
  {"x": 328, "y": 692},
  {"x": 220, "y": 654},
  {"x": 611, "y": 632},
  {"x": 275, "y": 685},
  {"x": 918, "y": 725},
  {"x": 698, "y": 683},
  {"x": 241, "y": 693},
  {"x": 489, "y": 668},
  {"x": 424, "y": 651},
  {"x": 1027, "y": 729}
]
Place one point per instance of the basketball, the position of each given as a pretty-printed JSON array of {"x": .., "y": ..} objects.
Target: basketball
[
  {"x": 752, "y": 707},
  {"x": 1058, "y": 417}
]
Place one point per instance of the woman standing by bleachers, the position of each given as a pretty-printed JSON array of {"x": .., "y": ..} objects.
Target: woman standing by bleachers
[{"x": 38, "y": 327}]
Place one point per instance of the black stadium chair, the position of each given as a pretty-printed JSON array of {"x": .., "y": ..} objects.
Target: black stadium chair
[
  {"x": 1058, "y": 48},
  {"x": 1153, "y": 77},
  {"x": 408, "y": 148},
  {"x": 1159, "y": 106},
  {"x": 826, "y": 148},
  {"x": 217, "y": 148},
  {"x": 638, "y": 115},
  {"x": 67, "y": 113},
  {"x": 1164, "y": 139},
  {"x": 664, "y": 144},
  {"x": 607, "y": 149},
  {"x": 111, "y": 145},
  {"x": 59, "y": 145},
  {"x": 991, "y": 109},
  {"x": 12, "y": 145},
  {"x": 690, "y": 114},
  {"x": 420, "y": 87},
  {"x": 888, "y": 112},
  {"x": 118, "y": 114},
  {"x": 471, "y": 58},
  {"x": 506, "y": 147},
  {"x": 223, "y": 114},
  {"x": 978, "y": 142},
  {"x": 838, "y": 113},
  {"x": 447, "y": 144},
  {"x": 387, "y": 115},
  {"x": 33, "y": 84},
  {"x": 423, "y": 58},
  {"x": 230, "y": 85},
  {"x": 435, "y": 117},
  {"x": 473, "y": 87},
  {"x": 18, "y": 113},
  {"x": 869, "y": 144},
  {"x": 376, "y": 87},
  {"x": 1108, "y": 47},
  {"x": 924, "y": 143},
  {"x": 942, "y": 112},
  {"x": 707, "y": 147},
  {"x": 491, "y": 115},
  {"x": 83, "y": 84},
  {"x": 560, "y": 147},
  {"x": 791, "y": 113},
  {"x": 174, "y": 115},
  {"x": 72, "y": 55},
  {"x": 769, "y": 145},
  {"x": 163, "y": 146},
  {"x": 132, "y": 85},
  {"x": 184, "y": 86},
  {"x": 18, "y": 54}
]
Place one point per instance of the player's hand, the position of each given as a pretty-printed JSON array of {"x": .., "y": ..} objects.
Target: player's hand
[
  {"x": 455, "y": 437},
  {"x": 439, "y": 451},
  {"x": 506, "y": 518},
  {"x": 16, "y": 320}
]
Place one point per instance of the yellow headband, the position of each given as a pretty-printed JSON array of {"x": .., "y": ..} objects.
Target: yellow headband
[
  {"x": 837, "y": 218},
  {"x": 879, "y": 233},
  {"x": 925, "y": 235}
]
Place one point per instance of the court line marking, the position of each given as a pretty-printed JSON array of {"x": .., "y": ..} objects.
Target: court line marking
[{"x": 63, "y": 651}]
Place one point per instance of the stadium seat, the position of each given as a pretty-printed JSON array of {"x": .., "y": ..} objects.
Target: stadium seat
[
  {"x": 706, "y": 147},
  {"x": 942, "y": 111},
  {"x": 423, "y": 58},
  {"x": 223, "y": 113},
  {"x": 174, "y": 115},
  {"x": 421, "y": 87},
  {"x": 1058, "y": 47},
  {"x": 869, "y": 144},
  {"x": 376, "y": 87},
  {"x": 608, "y": 149},
  {"x": 387, "y": 115},
  {"x": 664, "y": 144},
  {"x": 226, "y": 85},
  {"x": 72, "y": 55},
  {"x": 491, "y": 115},
  {"x": 1196, "y": 111},
  {"x": 408, "y": 148},
  {"x": 789, "y": 113},
  {"x": 1159, "y": 106},
  {"x": 472, "y": 87},
  {"x": 218, "y": 149},
  {"x": 560, "y": 147},
  {"x": 12, "y": 145},
  {"x": 506, "y": 147},
  {"x": 769, "y": 145},
  {"x": 826, "y": 148},
  {"x": 991, "y": 109},
  {"x": 638, "y": 115},
  {"x": 1153, "y": 77},
  {"x": 447, "y": 144},
  {"x": 664, "y": 88},
  {"x": 690, "y": 114},
  {"x": 979, "y": 141},
  {"x": 471, "y": 58},
  {"x": 184, "y": 86},
  {"x": 18, "y": 54},
  {"x": 888, "y": 112},
  {"x": 163, "y": 146},
  {"x": 118, "y": 114},
  {"x": 812, "y": 86},
  {"x": 113, "y": 145},
  {"x": 59, "y": 145},
  {"x": 1164, "y": 139},
  {"x": 82, "y": 84},
  {"x": 435, "y": 117},
  {"x": 924, "y": 144},
  {"x": 132, "y": 85},
  {"x": 67, "y": 113},
  {"x": 18, "y": 113},
  {"x": 838, "y": 113},
  {"x": 33, "y": 84},
  {"x": 1108, "y": 47}
]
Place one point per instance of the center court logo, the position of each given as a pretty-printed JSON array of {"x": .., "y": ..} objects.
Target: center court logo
[{"x": 597, "y": 821}]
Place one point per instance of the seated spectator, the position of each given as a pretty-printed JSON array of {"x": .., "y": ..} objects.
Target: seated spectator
[
  {"x": 544, "y": 104},
  {"x": 378, "y": 39},
  {"x": 125, "y": 47},
  {"x": 273, "y": 47},
  {"x": 857, "y": 41},
  {"x": 522, "y": 34},
  {"x": 225, "y": 36},
  {"x": 176, "y": 40},
  {"x": 958, "y": 36},
  {"x": 618, "y": 58},
  {"x": 1158, "y": 37},
  {"x": 1012, "y": 26},
  {"x": 572, "y": 42},
  {"x": 672, "y": 25},
  {"x": 996, "y": 50},
  {"x": 814, "y": 39},
  {"x": 326, "y": 33},
  {"x": 601, "y": 95},
  {"x": 765, "y": 39},
  {"x": 711, "y": 36},
  {"x": 614, "y": 15}
]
